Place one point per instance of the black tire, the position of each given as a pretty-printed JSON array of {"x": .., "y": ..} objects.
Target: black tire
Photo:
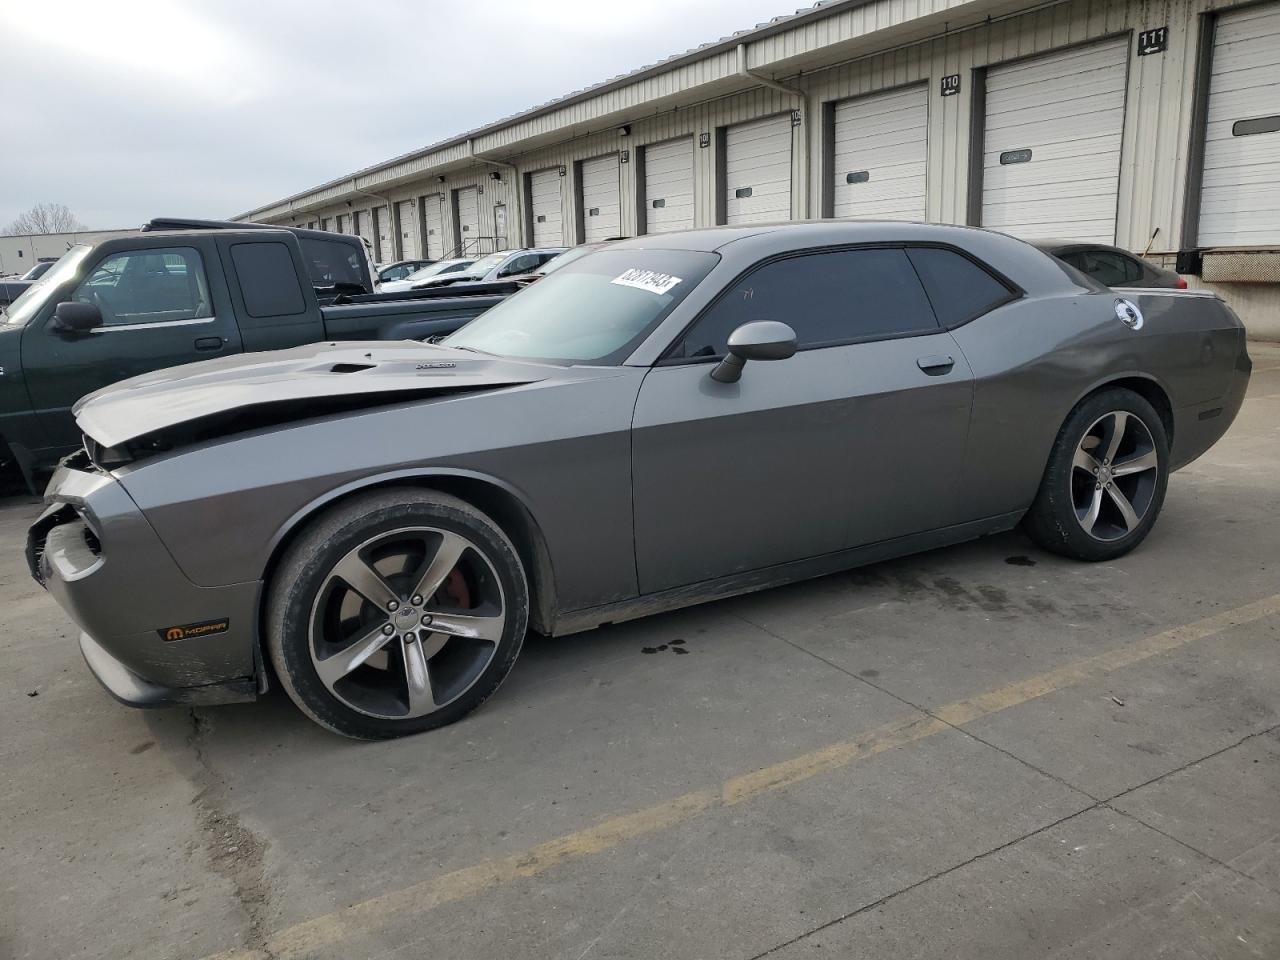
[
  {"x": 308, "y": 566},
  {"x": 1065, "y": 510}
]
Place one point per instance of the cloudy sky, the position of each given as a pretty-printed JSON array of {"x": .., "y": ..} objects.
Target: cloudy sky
[{"x": 131, "y": 109}]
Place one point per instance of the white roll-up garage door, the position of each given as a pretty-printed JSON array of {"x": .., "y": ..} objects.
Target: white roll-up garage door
[
  {"x": 757, "y": 165},
  {"x": 880, "y": 155},
  {"x": 408, "y": 229},
  {"x": 668, "y": 186},
  {"x": 382, "y": 235},
  {"x": 544, "y": 205},
  {"x": 433, "y": 216},
  {"x": 1051, "y": 147},
  {"x": 468, "y": 202},
  {"x": 1240, "y": 190},
  {"x": 601, "y": 198}
]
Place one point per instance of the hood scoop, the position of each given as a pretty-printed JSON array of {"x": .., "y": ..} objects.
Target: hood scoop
[{"x": 351, "y": 367}]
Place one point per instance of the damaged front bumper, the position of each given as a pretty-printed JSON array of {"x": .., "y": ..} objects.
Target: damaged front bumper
[{"x": 149, "y": 635}]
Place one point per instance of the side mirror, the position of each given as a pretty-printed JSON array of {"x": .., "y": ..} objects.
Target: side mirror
[
  {"x": 75, "y": 317},
  {"x": 760, "y": 340}
]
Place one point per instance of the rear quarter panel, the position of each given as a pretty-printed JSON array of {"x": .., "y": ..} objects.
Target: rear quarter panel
[{"x": 1035, "y": 359}]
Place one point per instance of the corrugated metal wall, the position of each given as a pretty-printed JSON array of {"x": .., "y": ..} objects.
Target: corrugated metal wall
[{"x": 1157, "y": 125}]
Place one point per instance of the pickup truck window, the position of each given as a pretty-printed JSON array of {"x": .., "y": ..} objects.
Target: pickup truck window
[
  {"x": 268, "y": 280},
  {"x": 330, "y": 262},
  {"x": 154, "y": 285}
]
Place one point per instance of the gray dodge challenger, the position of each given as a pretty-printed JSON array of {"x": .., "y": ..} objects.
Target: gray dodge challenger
[{"x": 663, "y": 422}]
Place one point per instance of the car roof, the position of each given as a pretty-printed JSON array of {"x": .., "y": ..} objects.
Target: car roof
[
  {"x": 798, "y": 233},
  {"x": 1065, "y": 246}
]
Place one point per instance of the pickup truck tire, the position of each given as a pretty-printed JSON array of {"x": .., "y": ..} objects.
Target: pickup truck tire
[
  {"x": 396, "y": 612},
  {"x": 1105, "y": 481}
]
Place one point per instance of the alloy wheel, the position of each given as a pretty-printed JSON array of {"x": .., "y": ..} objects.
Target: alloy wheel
[
  {"x": 1114, "y": 475},
  {"x": 407, "y": 622}
]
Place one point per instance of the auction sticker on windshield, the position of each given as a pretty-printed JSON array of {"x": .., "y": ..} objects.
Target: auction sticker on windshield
[{"x": 650, "y": 280}]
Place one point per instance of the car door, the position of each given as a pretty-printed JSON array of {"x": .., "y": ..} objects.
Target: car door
[
  {"x": 159, "y": 309},
  {"x": 855, "y": 439}
]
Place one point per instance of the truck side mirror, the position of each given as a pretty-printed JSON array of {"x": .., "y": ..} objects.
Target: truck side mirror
[
  {"x": 75, "y": 317},
  {"x": 760, "y": 340}
]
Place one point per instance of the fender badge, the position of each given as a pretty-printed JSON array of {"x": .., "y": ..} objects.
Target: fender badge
[
  {"x": 203, "y": 629},
  {"x": 438, "y": 365},
  {"x": 1127, "y": 312}
]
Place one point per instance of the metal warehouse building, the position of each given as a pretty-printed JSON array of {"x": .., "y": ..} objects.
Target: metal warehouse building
[{"x": 1154, "y": 125}]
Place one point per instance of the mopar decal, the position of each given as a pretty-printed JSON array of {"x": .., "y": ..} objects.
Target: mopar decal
[{"x": 203, "y": 629}]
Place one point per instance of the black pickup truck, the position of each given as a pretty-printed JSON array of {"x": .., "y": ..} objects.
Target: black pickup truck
[{"x": 128, "y": 305}]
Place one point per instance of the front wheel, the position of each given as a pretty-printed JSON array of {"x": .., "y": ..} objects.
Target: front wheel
[
  {"x": 397, "y": 612},
  {"x": 1105, "y": 481}
]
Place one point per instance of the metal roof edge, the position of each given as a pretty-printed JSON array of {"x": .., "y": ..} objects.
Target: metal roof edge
[{"x": 777, "y": 25}]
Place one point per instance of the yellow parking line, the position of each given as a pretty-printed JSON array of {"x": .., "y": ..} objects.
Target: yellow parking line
[{"x": 304, "y": 939}]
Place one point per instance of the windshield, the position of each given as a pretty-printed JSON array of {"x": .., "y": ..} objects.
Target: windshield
[
  {"x": 595, "y": 310},
  {"x": 33, "y": 298},
  {"x": 485, "y": 264},
  {"x": 437, "y": 268}
]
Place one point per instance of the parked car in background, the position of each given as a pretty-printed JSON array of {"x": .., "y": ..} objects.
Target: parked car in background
[
  {"x": 437, "y": 269},
  {"x": 122, "y": 306},
  {"x": 11, "y": 290},
  {"x": 13, "y": 287},
  {"x": 40, "y": 269},
  {"x": 1112, "y": 266},
  {"x": 572, "y": 255},
  {"x": 406, "y": 512},
  {"x": 400, "y": 269},
  {"x": 496, "y": 266}
]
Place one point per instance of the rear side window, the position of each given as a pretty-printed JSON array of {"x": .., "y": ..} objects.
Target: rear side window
[
  {"x": 958, "y": 288},
  {"x": 268, "y": 279},
  {"x": 333, "y": 261},
  {"x": 827, "y": 298}
]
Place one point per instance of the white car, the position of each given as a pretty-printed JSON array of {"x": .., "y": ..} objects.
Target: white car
[
  {"x": 497, "y": 266},
  {"x": 437, "y": 269}
]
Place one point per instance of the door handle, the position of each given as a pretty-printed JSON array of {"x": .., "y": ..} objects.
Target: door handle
[
  {"x": 935, "y": 365},
  {"x": 209, "y": 343}
]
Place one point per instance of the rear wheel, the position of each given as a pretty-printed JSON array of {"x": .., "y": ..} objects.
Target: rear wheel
[
  {"x": 398, "y": 612},
  {"x": 1105, "y": 481}
]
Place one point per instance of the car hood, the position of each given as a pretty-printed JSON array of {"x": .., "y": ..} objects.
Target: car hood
[{"x": 230, "y": 394}]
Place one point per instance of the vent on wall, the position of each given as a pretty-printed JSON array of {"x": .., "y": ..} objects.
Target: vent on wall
[{"x": 742, "y": 193}]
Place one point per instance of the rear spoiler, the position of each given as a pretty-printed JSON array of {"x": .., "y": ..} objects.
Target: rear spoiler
[{"x": 1165, "y": 292}]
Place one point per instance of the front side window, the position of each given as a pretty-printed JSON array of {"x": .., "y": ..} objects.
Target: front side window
[
  {"x": 596, "y": 310},
  {"x": 148, "y": 286},
  {"x": 840, "y": 296}
]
